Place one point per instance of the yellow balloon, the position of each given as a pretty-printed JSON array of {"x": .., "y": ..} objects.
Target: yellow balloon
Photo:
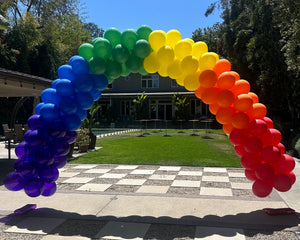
[
  {"x": 199, "y": 48},
  {"x": 163, "y": 70},
  {"x": 157, "y": 39},
  {"x": 182, "y": 49},
  {"x": 190, "y": 40},
  {"x": 173, "y": 36},
  {"x": 216, "y": 56},
  {"x": 180, "y": 80},
  {"x": 151, "y": 63},
  {"x": 207, "y": 61},
  {"x": 174, "y": 69},
  {"x": 191, "y": 81},
  {"x": 189, "y": 64},
  {"x": 165, "y": 55}
]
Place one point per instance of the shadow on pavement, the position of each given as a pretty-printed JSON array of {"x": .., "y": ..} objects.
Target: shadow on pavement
[
  {"x": 167, "y": 227},
  {"x": 6, "y": 166}
]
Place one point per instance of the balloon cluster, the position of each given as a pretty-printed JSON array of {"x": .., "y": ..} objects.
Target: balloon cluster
[
  {"x": 250, "y": 131},
  {"x": 118, "y": 54},
  {"x": 180, "y": 59}
]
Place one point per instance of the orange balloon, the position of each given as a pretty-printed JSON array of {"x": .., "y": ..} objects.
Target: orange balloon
[
  {"x": 199, "y": 91},
  {"x": 224, "y": 115},
  {"x": 226, "y": 80},
  {"x": 237, "y": 76},
  {"x": 254, "y": 97},
  {"x": 258, "y": 110},
  {"x": 213, "y": 108},
  {"x": 223, "y": 65},
  {"x": 208, "y": 78},
  {"x": 209, "y": 95},
  {"x": 240, "y": 87},
  {"x": 227, "y": 128},
  {"x": 225, "y": 98},
  {"x": 243, "y": 102},
  {"x": 240, "y": 120}
]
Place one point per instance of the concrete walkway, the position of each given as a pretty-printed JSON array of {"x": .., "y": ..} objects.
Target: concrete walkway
[{"x": 149, "y": 202}]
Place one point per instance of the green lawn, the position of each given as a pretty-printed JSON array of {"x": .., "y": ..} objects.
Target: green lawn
[{"x": 155, "y": 149}]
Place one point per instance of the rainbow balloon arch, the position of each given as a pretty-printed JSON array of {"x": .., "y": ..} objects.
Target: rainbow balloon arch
[{"x": 144, "y": 51}]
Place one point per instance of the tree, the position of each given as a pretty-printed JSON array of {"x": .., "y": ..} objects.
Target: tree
[
  {"x": 141, "y": 107},
  {"x": 93, "y": 29},
  {"x": 182, "y": 107}
]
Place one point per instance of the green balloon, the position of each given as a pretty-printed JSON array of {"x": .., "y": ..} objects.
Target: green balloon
[
  {"x": 113, "y": 69},
  {"x": 142, "y": 48},
  {"x": 125, "y": 71},
  {"x": 143, "y": 71},
  {"x": 102, "y": 48},
  {"x": 134, "y": 63},
  {"x": 86, "y": 51},
  {"x": 143, "y": 32},
  {"x": 120, "y": 53},
  {"x": 110, "y": 80},
  {"x": 129, "y": 38},
  {"x": 113, "y": 35},
  {"x": 97, "y": 65}
]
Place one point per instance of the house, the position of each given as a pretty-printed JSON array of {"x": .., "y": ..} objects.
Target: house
[{"x": 117, "y": 105}]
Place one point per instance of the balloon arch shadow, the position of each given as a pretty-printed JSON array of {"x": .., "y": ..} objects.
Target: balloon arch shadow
[{"x": 144, "y": 51}]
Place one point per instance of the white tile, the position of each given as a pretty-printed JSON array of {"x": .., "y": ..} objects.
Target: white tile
[
  {"x": 162, "y": 177},
  {"x": 57, "y": 237},
  {"x": 190, "y": 173},
  {"x": 131, "y": 182},
  {"x": 85, "y": 166},
  {"x": 113, "y": 175},
  {"x": 214, "y": 169},
  {"x": 215, "y": 233},
  {"x": 94, "y": 187},
  {"x": 143, "y": 171},
  {"x": 215, "y": 179},
  {"x": 185, "y": 183},
  {"x": 62, "y": 169},
  {"x": 241, "y": 185},
  {"x": 236, "y": 174},
  {"x": 68, "y": 174},
  {"x": 122, "y": 230},
  {"x": 169, "y": 168},
  {"x": 153, "y": 189},
  {"x": 78, "y": 180},
  {"x": 126, "y": 167},
  {"x": 97, "y": 170},
  {"x": 36, "y": 225},
  {"x": 215, "y": 191}
]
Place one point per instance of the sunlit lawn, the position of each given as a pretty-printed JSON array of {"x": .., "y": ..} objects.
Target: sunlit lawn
[{"x": 207, "y": 149}]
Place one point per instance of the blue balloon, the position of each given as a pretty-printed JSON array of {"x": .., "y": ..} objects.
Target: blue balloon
[
  {"x": 72, "y": 122},
  {"x": 66, "y": 72},
  {"x": 79, "y": 65},
  {"x": 100, "y": 82},
  {"x": 13, "y": 181},
  {"x": 60, "y": 147},
  {"x": 34, "y": 188},
  {"x": 81, "y": 113},
  {"x": 53, "y": 84},
  {"x": 35, "y": 122},
  {"x": 22, "y": 149},
  {"x": 38, "y": 108},
  {"x": 68, "y": 105},
  {"x": 50, "y": 95},
  {"x": 84, "y": 100},
  {"x": 64, "y": 87},
  {"x": 49, "y": 112},
  {"x": 56, "y": 129},
  {"x": 96, "y": 94},
  {"x": 49, "y": 189},
  {"x": 70, "y": 136},
  {"x": 84, "y": 82},
  {"x": 48, "y": 174}
]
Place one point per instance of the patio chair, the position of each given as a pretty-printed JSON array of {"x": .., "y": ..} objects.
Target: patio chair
[{"x": 19, "y": 134}]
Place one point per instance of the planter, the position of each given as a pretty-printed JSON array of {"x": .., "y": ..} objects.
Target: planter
[{"x": 83, "y": 148}]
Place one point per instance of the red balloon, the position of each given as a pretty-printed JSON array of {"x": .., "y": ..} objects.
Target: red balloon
[
  {"x": 261, "y": 189},
  {"x": 250, "y": 161},
  {"x": 285, "y": 164},
  {"x": 269, "y": 122},
  {"x": 239, "y": 150},
  {"x": 270, "y": 154},
  {"x": 265, "y": 172},
  {"x": 292, "y": 177},
  {"x": 281, "y": 148},
  {"x": 258, "y": 127},
  {"x": 272, "y": 137},
  {"x": 253, "y": 145},
  {"x": 282, "y": 182},
  {"x": 250, "y": 174},
  {"x": 238, "y": 136}
]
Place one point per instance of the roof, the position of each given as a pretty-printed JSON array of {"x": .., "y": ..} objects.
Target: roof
[{"x": 149, "y": 94}]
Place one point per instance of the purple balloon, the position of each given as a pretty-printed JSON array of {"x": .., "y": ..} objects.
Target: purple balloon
[
  {"x": 60, "y": 147},
  {"x": 35, "y": 122},
  {"x": 24, "y": 167},
  {"x": 34, "y": 188},
  {"x": 60, "y": 161},
  {"x": 34, "y": 137},
  {"x": 49, "y": 174},
  {"x": 22, "y": 149},
  {"x": 13, "y": 181},
  {"x": 44, "y": 156},
  {"x": 56, "y": 129},
  {"x": 49, "y": 189}
]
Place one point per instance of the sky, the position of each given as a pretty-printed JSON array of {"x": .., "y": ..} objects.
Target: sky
[{"x": 184, "y": 15}]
